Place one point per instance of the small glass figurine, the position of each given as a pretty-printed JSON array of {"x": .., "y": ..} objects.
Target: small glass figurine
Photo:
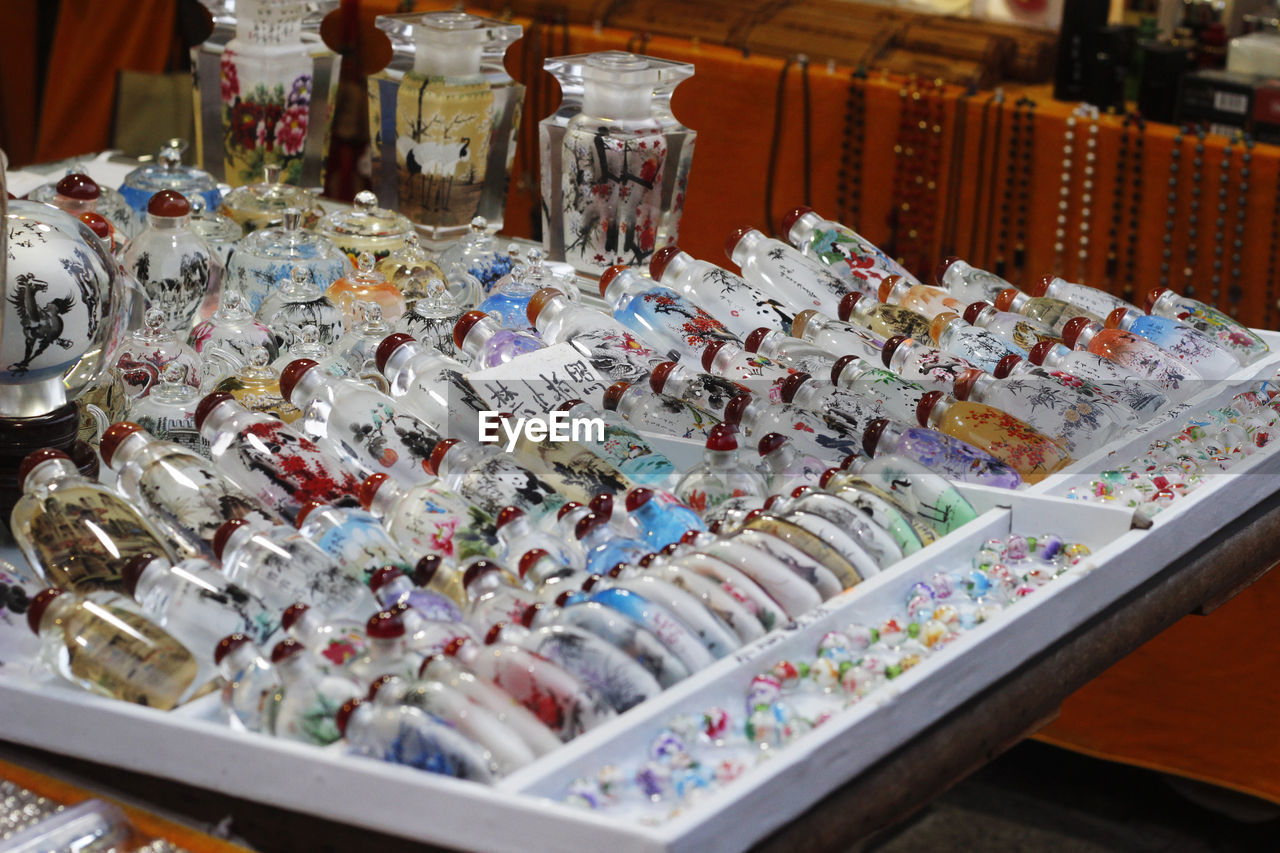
[
  {"x": 299, "y": 303},
  {"x": 357, "y": 351},
  {"x": 174, "y": 265},
  {"x": 75, "y": 533},
  {"x": 365, "y": 285},
  {"x": 232, "y": 329},
  {"x": 443, "y": 119},
  {"x": 169, "y": 411},
  {"x": 433, "y": 316},
  {"x": 146, "y": 352},
  {"x": 268, "y": 257},
  {"x": 615, "y": 161},
  {"x": 110, "y": 650}
]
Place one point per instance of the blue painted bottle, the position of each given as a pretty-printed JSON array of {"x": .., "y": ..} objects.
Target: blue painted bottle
[
  {"x": 603, "y": 548},
  {"x": 663, "y": 318},
  {"x": 662, "y": 518}
]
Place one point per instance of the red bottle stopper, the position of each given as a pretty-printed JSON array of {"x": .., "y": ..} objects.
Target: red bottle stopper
[
  {"x": 286, "y": 649},
  {"x": 507, "y": 515},
  {"x": 131, "y": 572},
  {"x": 733, "y": 412},
  {"x": 1150, "y": 301},
  {"x": 495, "y": 633},
  {"x": 649, "y": 559},
  {"x": 886, "y": 287},
  {"x": 735, "y": 237},
  {"x": 826, "y": 476},
  {"x": 168, "y": 203},
  {"x": 34, "y": 458},
  {"x": 97, "y": 223},
  {"x": 709, "y": 353},
  {"x": 792, "y": 217},
  {"x": 1041, "y": 286},
  {"x": 1115, "y": 318},
  {"x": 113, "y": 437},
  {"x": 602, "y": 505},
  {"x": 871, "y": 435},
  {"x": 223, "y": 533},
  {"x": 847, "y": 303},
  {"x": 659, "y": 375},
  {"x": 566, "y": 508},
  {"x": 227, "y": 645},
  {"x": 384, "y": 576},
  {"x": 424, "y": 571},
  {"x": 941, "y": 269},
  {"x": 690, "y": 537},
  {"x": 771, "y": 442},
  {"x": 939, "y": 323},
  {"x": 438, "y": 453},
  {"x": 210, "y": 402},
  {"x": 476, "y": 570},
  {"x": 722, "y": 437},
  {"x": 569, "y": 405},
  {"x": 1005, "y": 365},
  {"x": 638, "y": 497},
  {"x": 607, "y": 277},
  {"x": 292, "y": 372},
  {"x": 841, "y": 363},
  {"x": 384, "y": 625},
  {"x": 586, "y": 524},
  {"x": 613, "y": 395},
  {"x": 531, "y": 612},
  {"x": 890, "y": 347},
  {"x": 78, "y": 186},
  {"x": 538, "y": 301},
  {"x": 801, "y": 490},
  {"x": 343, "y": 717},
  {"x": 1040, "y": 352},
  {"x": 369, "y": 488},
  {"x": 791, "y": 385},
  {"x": 925, "y": 406},
  {"x": 389, "y": 345},
  {"x": 1071, "y": 331},
  {"x": 1005, "y": 298},
  {"x": 662, "y": 257},
  {"x": 973, "y": 310},
  {"x": 464, "y": 325},
  {"x": 452, "y": 648},
  {"x": 530, "y": 559},
  {"x": 377, "y": 684},
  {"x": 292, "y": 614},
  {"x": 305, "y": 510},
  {"x": 756, "y": 338}
]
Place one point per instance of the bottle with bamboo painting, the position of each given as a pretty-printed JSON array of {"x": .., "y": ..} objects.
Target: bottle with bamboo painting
[
  {"x": 615, "y": 164},
  {"x": 1188, "y": 345},
  {"x": 967, "y": 282},
  {"x": 1028, "y": 451},
  {"x": 75, "y": 533},
  {"x": 443, "y": 117},
  {"x": 1049, "y": 312},
  {"x": 1230, "y": 334},
  {"x": 1016, "y": 329},
  {"x": 980, "y": 347},
  {"x": 775, "y": 267},
  {"x": 883, "y": 319},
  {"x": 742, "y": 306},
  {"x": 1132, "y": 389},
  {"x": 430, "y": 385},
  {"x": 921, "y": 298},
  {"x": 858, "y": 262},
  {"x": 111, "y": 650},
  {"x": 1175, "y": 377}
]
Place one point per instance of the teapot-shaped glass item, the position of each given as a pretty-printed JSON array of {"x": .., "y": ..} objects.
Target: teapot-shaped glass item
[
  {"x": 978, "y": 346},
  {"x": 62, "y": 308},
  {"x": 368, "y": 425},
  {"x": 777, "y": 268},
  {"x": 429, "y": 519},
  {"x": 110, "y": 650},
  {"x": 1180, "y": 340},
  {"x": 359, "y": 346},
  {"x": 1231, "y": 335},
  {"x": 1016, "y": 329},
  {"x": 969, "y": 283},
  {"x": 256, "y": 387},
  {"x": 741, "y": 305},
  {"x": 77, "y": 193},
  {"x": 174, "y": 265},
  {"x": 169, "y": 411},
  {"x": 366, "y": 228},
  {"x": 657, "y": 413},
  {"x": 307, "y": 345},
  {"x": 166, "y": 172},
  {"x": 297, "y": 303},
  {"x": 663, "y": 318},
  {"x": 408, "y": 265},
  {"x": 365, "y": 285},
  {"x": 182, "y": 491},
  {"x": 615, "y": 161},
  {"x": 75, "y": 533},
  {"x": 443, "y": 119},
  {"x": 837, "y": 336},
  {"x": 1049, "y": 312},
  {"x": 480, "y": 255},
  {"x": 265, "y": 204},
  {"x": 433, "y": 316},
  {"x": 1177, "y": 378},
  {"x": 481, "y": 340},
  {"x": 220, "y": 232},
  {"x": 431, "y": 386},
  {"x": 721, "y": 475},
  {"x": 268, "y": 257},
  {"x": 508, "y": 298},
  {"x": 883, "y": 319},
  {"x": 1141, "y": 395},
  {"x": 792, "y": 353},
  {"x": 948, "y": 456},
  {"x": 921, "y": 298},
  {"x": 232, "y": 329},
  {"x": 1097, "y": 302},
  {"x": 918, "y": 362},
  {"x": 1028, "y": 451},
  {"x": 265, "y": 456},
  {"x": 146, "y": 352},
  {"x": 858, "y": 262}
]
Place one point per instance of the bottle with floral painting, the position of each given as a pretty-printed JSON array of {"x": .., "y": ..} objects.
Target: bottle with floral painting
[{"x": 615, "y": 161}]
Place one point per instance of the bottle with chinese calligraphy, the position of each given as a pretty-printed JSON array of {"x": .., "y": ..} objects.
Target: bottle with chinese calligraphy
[
  {"x": 883, "y": 319},
  {"x": 309, "y": 700},
  {"x": 918, "y": 362},
  {"x": 365, "y": 285},
  {"x": 663, "y": 318},
  {"x": 741, "y": 305},
  {"x": 859, "y": 263},
  {"x": 613, "y": 349},
  {"x": 251, "y": 683},
  {"x": 952, "y": 458},
  {"x": 173, "y": 264},
  {"x": 110, "y": 650},
  {"x": 331, "y": 642},
  {"x": 1028, "y": 451},
  {"x": 792, "y": 353},
  {"x": 1141, "y": 395},
  {"x": 978, "y": 346},
  {"x": 775, "y": 267},
  {"x": 75, "y": 533},
  {"x": 1049, "y": 312},
  {"x": 1174, "y": 376},
  {"x": 369, "y": 426},
  {"x": 266, "y": 457},
  {"x": 169, "y": 411},
  {"x": 721, "y": 475},
  {"x": 490, "y": 480},
  {"x": 282, "y": 567},
  {"x": 298, "y": 303},
  {"x": 1188, "y": 345},
  {"x": 352, "y": 537},
  {"x": 643, "y": 409},
  {"x": 430, "y": 385},
  {"x": 1015, "y": 329},
  {"x": 838, "y": 337},
  {"x": 180, "y": 490},
  {"x": 147, "y": 350},
  {"x": 1053, "y": 409},
  {"x": 1235, "y": 337},
  {"x": 429, "y": 519},
  {"x": 1096, "y": 302},
  {"x": 483, "y": 342},
  {"x": 967, "y": 282},
  {"x": 256, "y": 387},
  {"x": 614, "y": 186}
]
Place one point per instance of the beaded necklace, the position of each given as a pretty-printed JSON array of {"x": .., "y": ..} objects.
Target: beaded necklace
[
  {"x": 849, "y": 186},
  {"x": 1193, "y": 218},
  {"x": 1086, "y": 197},
  {"x": 1135, "y": 206},
  {"x": 1235, "y": 292},
  {"x": 1117, "y": 203},
  {"x": 1024, "y": 188},
  {"x": 1171, "y": 210}
]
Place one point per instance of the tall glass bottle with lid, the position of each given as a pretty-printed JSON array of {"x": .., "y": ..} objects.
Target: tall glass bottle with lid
[
  {"x": 442, "y": 118},
  {"x": 615, "y": 161}
]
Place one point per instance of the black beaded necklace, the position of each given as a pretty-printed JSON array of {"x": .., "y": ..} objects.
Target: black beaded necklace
[
  {"x": 1025, "y": 172},
  {"x": 950, "y": 219},
  {"x": 1135, "y": 206},
  {"x": 1220, "y": 224},
  {"x": 1171, "y": 211},
  {"x": 1010, "y": 178},
  {"x": 849, "y": 184},
  {"x": 1117, "y": 205},
  {"x": 1235, "y": 291},
  {"x": 998, "y": 99}
]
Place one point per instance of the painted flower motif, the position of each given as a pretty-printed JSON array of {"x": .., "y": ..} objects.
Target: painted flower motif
[
  {"x": 300, "y": 94},
  {"x": 230, "y": 79},
  {"x": 244, "y": 124},
  {"x": 291, "y": 130}
]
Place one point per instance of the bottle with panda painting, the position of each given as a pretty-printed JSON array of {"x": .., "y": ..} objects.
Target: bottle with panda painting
[{"x": 442, "y": 119}]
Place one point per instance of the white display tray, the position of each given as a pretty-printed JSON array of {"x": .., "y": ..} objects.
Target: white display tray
[{"x": 520, "y": 814}]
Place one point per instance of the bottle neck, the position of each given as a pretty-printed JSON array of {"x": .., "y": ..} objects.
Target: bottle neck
[
  {"x": 720, "y": 460},
  {"x": 49, "y": 472},
  {"x": 747, "y": 246},
  {"x": 802, "y": 231},
  {"x": 385, "y": 499},
  {"x": 133, "y": 447},
  {"x": 442, "y": 57}
]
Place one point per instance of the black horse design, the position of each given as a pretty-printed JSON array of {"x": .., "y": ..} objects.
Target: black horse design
[{"x": 41, "y": 324}]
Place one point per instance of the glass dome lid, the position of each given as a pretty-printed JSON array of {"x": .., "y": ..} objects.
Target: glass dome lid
[{"x": 168, "y": 173}]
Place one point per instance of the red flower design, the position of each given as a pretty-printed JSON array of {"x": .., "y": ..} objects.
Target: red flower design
[
  {"x": 230, "y": 79},
  {"x": 649, "y": 169},
  {"x": 291, "y": 130},
  {"x": 244, "y": 124}
]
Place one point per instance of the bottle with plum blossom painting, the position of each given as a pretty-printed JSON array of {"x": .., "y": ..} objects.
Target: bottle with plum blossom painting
[
  {"x": 664, "y": 319},
  {"x": 856, "y": 260},
  {"x": 1175, "y": 377},
  {"x": 270, "y": 460},
  {"x": 614, "y": 183},
  {"x": 1030, "y": 452},
  {"x": 1231, "y": 335},
  {"x": 739, "y": 304}
]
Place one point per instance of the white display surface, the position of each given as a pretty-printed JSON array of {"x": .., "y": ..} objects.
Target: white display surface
[{"x": 520, "y": 814}]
